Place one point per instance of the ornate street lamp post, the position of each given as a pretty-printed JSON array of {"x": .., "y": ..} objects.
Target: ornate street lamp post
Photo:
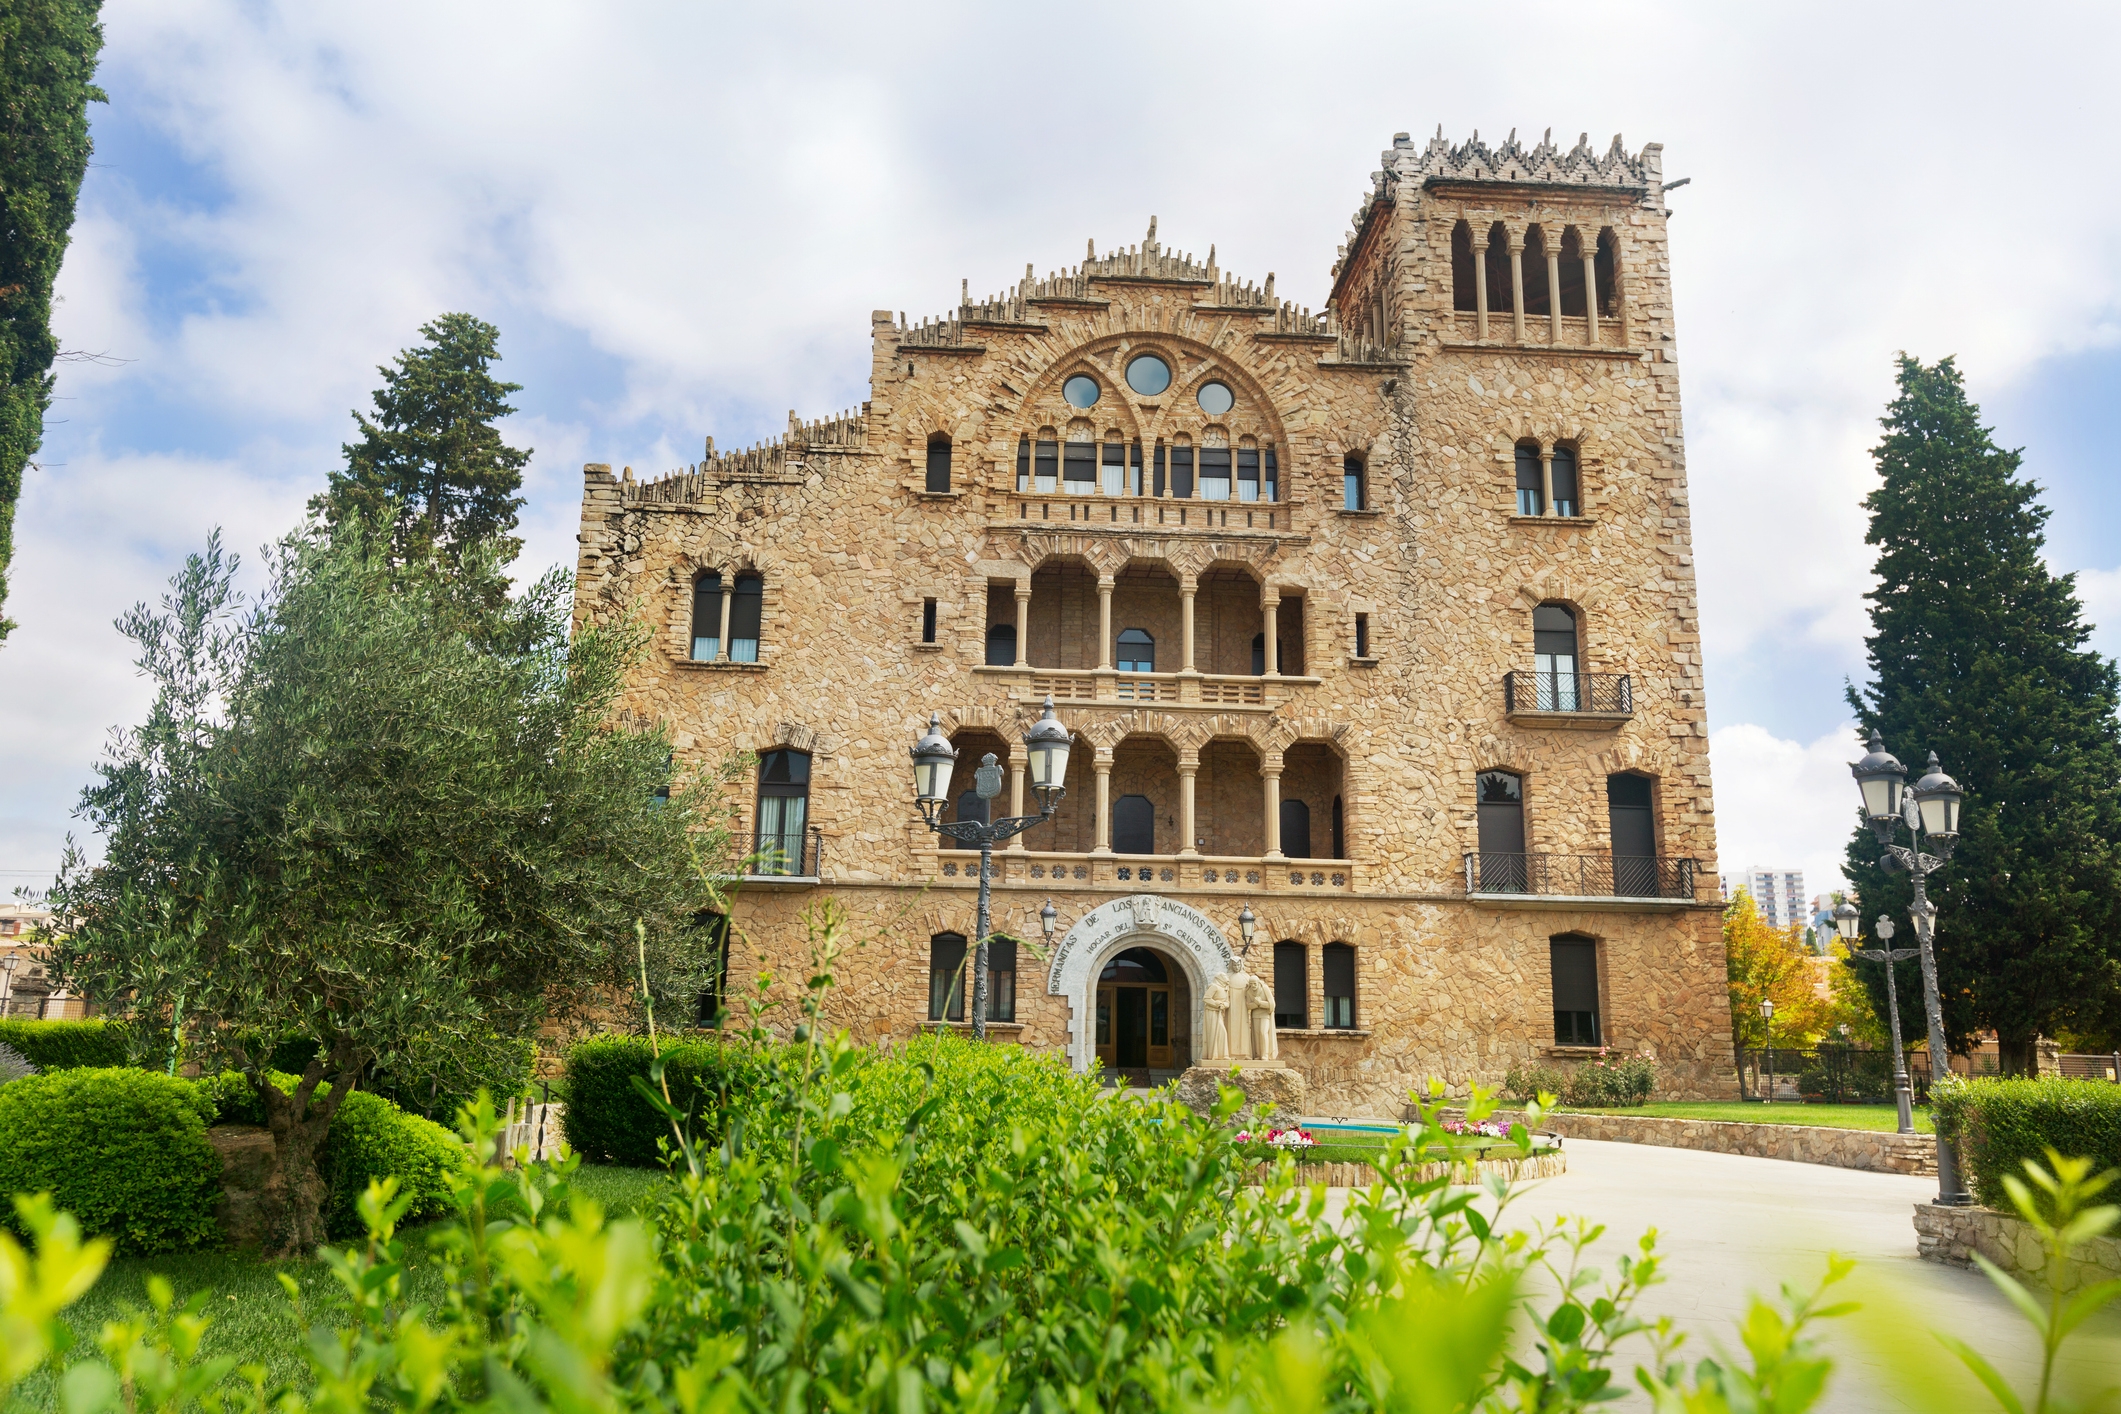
[
  {"x": 1846, "y": 919},
  {"x": 1931, "y": 813},
  {"x": 1767, "y": 1026},
  {"x": 1047, "y": 743},
  {"x": 8, "y": 965}
]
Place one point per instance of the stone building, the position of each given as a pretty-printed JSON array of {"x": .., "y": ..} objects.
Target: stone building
[{"x": 1379, "y": 620}]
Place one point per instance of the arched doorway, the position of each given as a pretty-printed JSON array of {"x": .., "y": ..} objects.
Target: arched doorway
[
  {"x": 1188, "y": 944},
  {"x": 1138, "y": 1014}
]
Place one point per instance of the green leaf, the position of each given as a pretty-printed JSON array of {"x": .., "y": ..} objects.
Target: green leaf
[{"x": 1986, "y": 1373}]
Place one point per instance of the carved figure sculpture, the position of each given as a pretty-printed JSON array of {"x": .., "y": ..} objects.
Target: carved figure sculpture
[
  {"x": 1259, "y": 1006},
  {"x": 1215, "y": 1031}
]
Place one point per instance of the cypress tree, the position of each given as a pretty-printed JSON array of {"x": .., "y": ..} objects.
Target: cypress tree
[
  {"x": 1977, "y": 652},
  {"x": 431, "y": 465},
  {"x": 48, "y": 52}
]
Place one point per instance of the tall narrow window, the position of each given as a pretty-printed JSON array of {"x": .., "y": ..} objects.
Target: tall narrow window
[
  {"x": 1080, "y": 464},
  {"x": 1023, "y": 463},
  {"x": 1531, "y": 499},
  {"x": 1182, "y": 472},
  {"x": 1134, "y": 469},
  {"x": 1353, "y": 495},
  {"x": 1045, "y": 463},
  {"x": 707, "y": 617},
  {"x": 784, "y": 812},
  {"x": 1463, "y": 295},
  {"x": 1115, "y": 465},
  {"x": 1296, "y": 829},
  {"x": 1001, "y": 645},
  {"x": 1566, "y": 500},
  {"x": 714, "y": 988},
  {"x": 1340, "y": 833},
  {"x": 1500, "y": 811},
  {"x": 1215, "y": 473},
  {"x": 1259, "y": 655},
  {"x": 1137, "y": 651},
  {"x": 1133, "y": 825},
  {"x": 1270, "y": 487},
  {"x": 1362, "y": 635},
  {"x": 1160, "y": 468},
  {"x": 1247, "y": 473},
  {"x": 949, "y": 978},
  {"x": 1633, "y": 819},
  {"x": 939, "y": 462},
  {"x": 1338, "y": 973},
  {"x": 1001, "y": 979},
  {"x": 1292, "y": 1002},
  {"x": 747, "y": 607},
  {"x": 927, "y": 621},
  {"x": 1575, "y": 965},
  {"x": 1557, "y": 684}
]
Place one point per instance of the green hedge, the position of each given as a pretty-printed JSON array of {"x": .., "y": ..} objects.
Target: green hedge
[
  {"x": 123, "y": 1150},
  {"x": 62, "y": 1045},
  {"x": 609, "y": 1121},
  {"x": 1998, "y": 1124}
]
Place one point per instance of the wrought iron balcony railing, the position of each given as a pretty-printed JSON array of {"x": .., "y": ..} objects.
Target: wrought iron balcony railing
[
  {"x": 1580, "y": 875},
  {"x": 799, "y": 854},
  {"x": 1591, "y": 694}
]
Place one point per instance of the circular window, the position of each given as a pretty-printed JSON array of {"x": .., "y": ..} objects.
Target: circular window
[
  {"x": 1081, "y": 390},
  {"x": 1216, "y": 398},
  {"x": 1148, "y": 375}
]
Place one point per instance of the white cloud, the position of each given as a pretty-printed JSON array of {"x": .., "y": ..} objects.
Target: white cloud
[{"x": 1784, "y": 804}]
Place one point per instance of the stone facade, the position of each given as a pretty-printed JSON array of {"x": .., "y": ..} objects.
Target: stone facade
[
  {"x": 1954, "y": 1235},
  {"x": 1348, "y": 652},
  {"x": 1874, "y": 1150}
]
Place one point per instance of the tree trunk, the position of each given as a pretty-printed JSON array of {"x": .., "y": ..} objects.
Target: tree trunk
[
  {"x": 2014, "y": 1055},
  {"x": 291, "y": 1204}
]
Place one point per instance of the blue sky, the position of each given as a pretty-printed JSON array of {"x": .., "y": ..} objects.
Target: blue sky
[{"x": 680, "y": 218}]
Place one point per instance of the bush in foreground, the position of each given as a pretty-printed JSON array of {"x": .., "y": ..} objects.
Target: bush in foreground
[
  {"x": 2000, "y": 1124},
  {"x": 124, "y": 1151},
  {"x": 61, "y": 1045},
  {"x": 1604, "y": 1083},
  {"x": 609, "y": 1121}
]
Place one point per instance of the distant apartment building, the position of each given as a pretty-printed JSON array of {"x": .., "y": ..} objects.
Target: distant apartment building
[{"x": 1777, "y": 893}]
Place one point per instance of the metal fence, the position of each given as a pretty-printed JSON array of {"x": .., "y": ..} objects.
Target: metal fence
[
  {"x": 799, "y": 854},
  {"x": 1580, "y": 875},
  {"x": 1830, "y": 1075},
  {"x": 1610, "y": 694}
]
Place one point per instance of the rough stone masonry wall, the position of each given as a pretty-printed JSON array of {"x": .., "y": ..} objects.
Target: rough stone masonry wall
[
  {"x": 1954, "y": 1235},
  {"x": 849, "y": 543},
  {"x": 1876, "y": 1151}
]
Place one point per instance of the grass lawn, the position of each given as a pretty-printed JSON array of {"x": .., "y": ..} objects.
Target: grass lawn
[
  {"x": 1885, "y": 1117},
  {"x": 252, "y": 1317}
]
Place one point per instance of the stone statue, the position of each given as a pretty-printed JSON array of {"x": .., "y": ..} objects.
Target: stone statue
[
  {"x": 1259, "y": 1006},
  {"x": 1215, "y": 1030}
]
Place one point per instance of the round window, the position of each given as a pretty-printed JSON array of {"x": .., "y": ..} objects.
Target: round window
[
  {"x": 1216, "y": 398},
  {"x": 1081, "y": 390},
  {"x": 1148, "y": 375}
]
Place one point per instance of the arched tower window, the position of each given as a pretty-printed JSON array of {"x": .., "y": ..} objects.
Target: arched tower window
[
  {"x": 1554, "y": 658},
  {"x": 784, "y": 813},
  {"x": 1292, "y": 986},
  {"x": 1137, "y": 651},
  {"x": 1531, "y": 492},
  {"x": 747, "y": 607},
  {"x": 1500, "y": 809},
  {"x": 707, "y": 616},
  {"x": 1535, "y": 271},
  {"x": 939, "y": 462},
  {"x": 1354, "y": 488},
  {"x": 1567, "y": 498},
  {"x": 1462, "y": 294},
  {"x": 1339, "y": 977}
]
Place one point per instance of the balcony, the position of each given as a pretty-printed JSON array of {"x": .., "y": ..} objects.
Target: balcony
[
  {"x": 1153, "y": 873},
  {"x": 1548, "y": 880},
  {"x": 1175, "y": 689},
  {"x": 787, "y": 861},
  {"x": 1583, "y": 701}
]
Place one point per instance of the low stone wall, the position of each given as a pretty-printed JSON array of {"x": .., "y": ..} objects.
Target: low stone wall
[
  {"x": 1879, "y": 1152},
  {"x": 1954, "y": 1235},
  {"x": 1540, "y": 1165}
]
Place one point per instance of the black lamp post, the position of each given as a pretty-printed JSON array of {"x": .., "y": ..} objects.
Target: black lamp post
[
  {"x": 1767, "y": 1026},
  {"x": 1846, "y": 919},
  {"x": 1931, "y": 813},
  {"x": 1047, "y": 743}
]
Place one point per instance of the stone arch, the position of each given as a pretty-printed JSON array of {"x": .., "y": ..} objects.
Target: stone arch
[
  {"x": 1180, "y": 932},
  {"x": 1101, "y": 554},
  {"x": 1105, "y": 355}
]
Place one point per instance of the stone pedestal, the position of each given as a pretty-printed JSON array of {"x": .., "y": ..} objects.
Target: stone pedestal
[
  {"x": 1264, "y": 1082},
  {"x": 246, "y": 1163}
]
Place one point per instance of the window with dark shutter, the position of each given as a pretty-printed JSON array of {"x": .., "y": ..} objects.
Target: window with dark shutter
[
  {"x": 1292, "y": 1003},
  {"x": 1575, "y": 965}
]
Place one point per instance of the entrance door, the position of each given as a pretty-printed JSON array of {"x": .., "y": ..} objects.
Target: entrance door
[
  {"x": 1134, "y": 1015},
  {"x": 1130, "y": 1018}
]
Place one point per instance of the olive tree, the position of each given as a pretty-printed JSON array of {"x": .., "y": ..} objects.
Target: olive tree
[{"x": 388, "y": 807}]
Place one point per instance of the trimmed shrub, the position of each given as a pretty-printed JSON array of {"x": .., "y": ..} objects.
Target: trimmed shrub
[
  {"x": 1525, "y": 1083},
  {"x": 1593, "y": 1085},
  {"x": 609, "y": 1121},
  {"x": 1999, "y": 1124},
  {"x": 123, "y": 1150},
  {"x": 60, "y": 1045}
]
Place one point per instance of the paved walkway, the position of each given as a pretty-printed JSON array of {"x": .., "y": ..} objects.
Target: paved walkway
[{"x": 1730, "y": 1225}]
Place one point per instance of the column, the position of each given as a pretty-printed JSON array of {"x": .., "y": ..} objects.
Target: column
[
  {"x": 1480, "y": 281},
  {"x": 1588, "y": 249},
  {"x": 1104, "y": 623},
  {"x": 721, "y": 645},
  {"x": 1188, "y": 764},
  {"x": 1023, "y": 623},
  {"x": 1517, "y": 285},
  {"x": 1188, "y": 585},
  {"x": 1270, "y": 776},
  {"x": 1016, "y": 795},
  {"x": 1269, "y": 607},
  {"x": 1546, "y": 480},
  {"x": 1553, "y": 290},
  {"x": 1102, "y": 761}
]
